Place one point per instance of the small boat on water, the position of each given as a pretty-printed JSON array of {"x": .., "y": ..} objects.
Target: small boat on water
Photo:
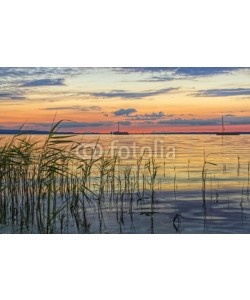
[
  {"x": 223, "y": 129},
  {"x": 227, "y": 133},
  {"x": 118, "y": 132}
]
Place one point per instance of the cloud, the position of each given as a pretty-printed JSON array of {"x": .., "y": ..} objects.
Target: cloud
[
  {"x": 126, "y": 123},
  {"x": 44, "y": 82},
  {"x": 71, "y": 124},
  {"x": 85, "y": 124},
  {"x": 15, "y": 81},
  {"x": 222, "y": 92},
  {"x": 131, "y": 95},
  {"x": 28, "y": 73},
  {"x": 142, "y": 69},
  {"x": 151, "y": 116},
  {"x": 185, "y": 71},
  {"x": 161, "y": 74},
  {"x": 147, "y": 123},
  {"x": 204, "y": 71},
  {"x": 11, "y": 96},
  {"x": 74, "y": 107},
  {"x": 124, "y": 112},
  {"x": 157, "y": 79},
  {"x": 229, "y": 115},
  {"x": 206, "y": 122},
  {"x": 191, "y": 122},
  {"x": 238, "y": 121}
]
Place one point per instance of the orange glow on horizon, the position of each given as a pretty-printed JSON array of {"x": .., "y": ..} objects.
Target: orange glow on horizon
[{"x": 98, "y": 99}]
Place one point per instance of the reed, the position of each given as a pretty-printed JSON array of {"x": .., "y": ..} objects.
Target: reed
[
  {"x": 248, "y": 172},
  {"x": 238, "y": 166},
  {"x": 46, "y": 188},
  {"x": 152, "y": 169},
  {"x": 204, "y": 174}
]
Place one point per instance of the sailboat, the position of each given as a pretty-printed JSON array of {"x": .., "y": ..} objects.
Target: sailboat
[
  {"x": 118, "y": 132},
  {"x": 223, "y": 129}
]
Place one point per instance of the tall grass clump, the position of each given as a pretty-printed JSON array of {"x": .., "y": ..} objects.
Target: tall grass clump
[
  {"x": 35, "y": 179},
  {"x": 46, "y": 187}
]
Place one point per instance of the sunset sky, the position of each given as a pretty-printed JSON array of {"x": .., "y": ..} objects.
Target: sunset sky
[{"x": 141, "y": 99}]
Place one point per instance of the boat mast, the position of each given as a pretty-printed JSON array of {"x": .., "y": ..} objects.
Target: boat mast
[{"x": 222, "y": 124}]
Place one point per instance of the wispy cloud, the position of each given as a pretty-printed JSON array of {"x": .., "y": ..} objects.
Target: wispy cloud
[
  {"x": 85, "y": 124},
  {"x": 18, "y": 83},
  {"x": 12, "y": 96},
  {"x": 124, "y": 112},
  {"x": 159, "y": 78},
  {"x": 125, "y": 123},
  {"x": 232, "y": 120},
  {"x": 143, "y": 69},
  {"x": 222, "y": 92},
  {"x": 190, "y": 122},
  {"x": 74, "y": 107},
  {"x": 161, "y": 74},
  {"x": 185, "y": 71},
  {"x": 44, "y": 82},
  {"x": 205, "y": 72},
  {"x": 131, "y": 95},
  {"x": 147, "y": 123},
  {"x": 151, "y": 116},
  {"x": 28, "y": 73},
  {"x": 238, "y": 120},
  {"x": 71, "y": 124}
]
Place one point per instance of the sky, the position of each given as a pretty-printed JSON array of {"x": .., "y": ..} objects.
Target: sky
[{"x": 140, "y": 99}]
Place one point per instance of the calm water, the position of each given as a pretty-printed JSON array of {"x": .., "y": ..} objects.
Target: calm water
[
  {"x": 179, "y": 201},
  {"x": 180, "y": 182}
]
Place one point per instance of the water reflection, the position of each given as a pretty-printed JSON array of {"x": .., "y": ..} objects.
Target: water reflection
[{"x": 204, "y": 188}]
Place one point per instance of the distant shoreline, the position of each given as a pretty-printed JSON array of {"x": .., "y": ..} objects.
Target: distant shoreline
[{"x": 11, "y": 132}]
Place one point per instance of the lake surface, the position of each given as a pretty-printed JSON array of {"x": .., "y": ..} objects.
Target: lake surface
[{"x": 201, "y": 186}]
